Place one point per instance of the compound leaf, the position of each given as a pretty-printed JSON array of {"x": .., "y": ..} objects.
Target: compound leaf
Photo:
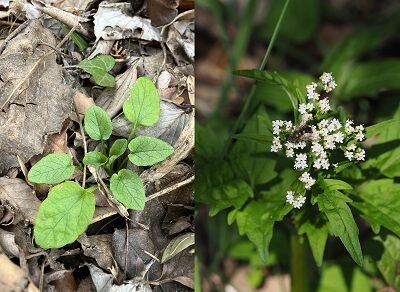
[
  {"x": 147, "y": 151},
  {"x": 52, "y": 169},
  {"x": 97, "y": 123},
  {"x": 98, "y": 68},
  {"x": 64, "y": 215},
  {"x": 94, "y": 158},
  {"x": 143, "y": 105},
  {"x": 128, "y": 189},
  {"x": 342, "y": 224}
]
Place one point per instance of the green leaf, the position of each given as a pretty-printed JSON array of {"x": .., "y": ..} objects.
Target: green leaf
[
  {"x": 64, "y": 215},
  {"x": 367, "y": 79},
  {"x": 94, "y": 158},
  {"x": 317, "y": 233},
  {"x": 117, "y": 149},
  {"x": 98, "y": 68},
  {"x": 388, "y": 265},
  {"x": 378, "y": 128},
  {"x": 78, "y": 40},
  {"x": 342, "y": 224},
  {"x": 143, "y": 105},
  {"x": 257, "y": 221},
  {"x": 128, "y": 189},
  {"x": 177, "y": 245},
  {"x": 97, "y": 123},
  {"x": 379, "y": 203},
  {"x": 336, "y": 184},
  {"x": 52, "y": 169},
  {"x": 147, "y": 151}
]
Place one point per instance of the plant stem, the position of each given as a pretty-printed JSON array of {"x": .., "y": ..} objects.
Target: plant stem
[
  {"x": 298, "y": 265},
  {"x": 242, "y": 115}
]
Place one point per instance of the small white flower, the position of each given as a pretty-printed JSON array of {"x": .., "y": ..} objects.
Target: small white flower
[
  {"x": 328, "y": 82},
  {"x": 348, "y": 128},
  {"x": 359, "y": 154},
  {"x": 324, "y": 105},
  {"x": 305, "y": 118},
  {"x": 334, "y": 125},
  {"x": 276, "y": 145},
  {"x": 289, "y": 152},
  {"x": 300, "y": 145},
  {"x": 335, "y": 164},
  {"x": 289, "y": 126},
  {"x": 310, "y": 107},
  {"x": 276, "y": 126},
  {"x": 339, "y": 137},
  {"x": 290, "y": 197},
  {"x": 307, "y": 180},
  {"x": 300, "y": 161},
  {"x": 359, "y": 135},
  {"x": 317, "y": 148},
  {"x": 311, "y": 94},
  {"x": 351, "y": 147},
  {"x": 321, "y": 163},
  {"x": 329, "y": 142},
  {"x": 303, "y": 108},
  {"x": 349, "y": 155},
  {"x": 300, "y": 200}
]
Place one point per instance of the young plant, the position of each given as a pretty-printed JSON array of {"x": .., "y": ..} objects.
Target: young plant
[
  {"x": 69, "y": 208},
  {"x": 98, "y": 67}
]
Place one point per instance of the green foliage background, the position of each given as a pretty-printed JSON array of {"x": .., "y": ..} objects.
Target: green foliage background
[{"x": 247, "y": 187}]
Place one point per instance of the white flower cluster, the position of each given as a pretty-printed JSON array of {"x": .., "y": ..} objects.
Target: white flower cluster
[
  {"x": 318, "y": 133},
  {"x": 296, "y": 201}
]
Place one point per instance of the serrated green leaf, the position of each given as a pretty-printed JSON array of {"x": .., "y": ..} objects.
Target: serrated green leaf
[
  {"x": 98, "y": 68},
  {"x": 342, "y": 224},
  {"x": 147, "y": 151},
  {"x": 143, "y": 105},
  {"x": 336, "y": 184},
  {"x": 52, "y": 169},
  {"x": 257, "y": 220},
  {"x": 177, "y": 245},
  {"x": 94, "y": 158},
  {"x": 388, "y": 265},
  {"x": 97, "y": 123},
  {"x": 378, "y": 128},
  {"x": 128, "y": 189},
  {"x": 117, "y": 149},
  {"x": 379, "y": 203},
  {"x": 64, "y": 215}
]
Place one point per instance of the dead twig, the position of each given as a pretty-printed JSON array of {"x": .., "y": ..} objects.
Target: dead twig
[{"x": 170, "y": 189}]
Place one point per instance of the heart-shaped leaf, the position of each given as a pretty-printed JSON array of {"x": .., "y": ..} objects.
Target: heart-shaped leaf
[
  {"x": 143, "y": 104},
  {"x": 128, "y": 189},
  {"x": 98, "y": 68},
  {"x": 117, "y": 149},
  {"x": 64, "y": 215},
  {"x": 98, "y": 124},
  {"x": 147, "y": 151},
  {"x": 52, "y": 169}
]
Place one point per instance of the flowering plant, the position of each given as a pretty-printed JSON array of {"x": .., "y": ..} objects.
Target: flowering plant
[
  {"x": 319, "y": 180},
  {"x": 313, "y": 141}
]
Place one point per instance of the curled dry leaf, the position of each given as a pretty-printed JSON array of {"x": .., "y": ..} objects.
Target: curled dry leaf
[
  {"x": 177, "y": 245},
  {"x": 82, "y": 103},
  {"x": 99, "y": 248},
  {"x": 113, "y": 22},
  {"x": 18, "y": 195},
  {"x": 7, "y": 243},
  {"x": 35, "y": 98},
  {"x": 162, "y": 12}
]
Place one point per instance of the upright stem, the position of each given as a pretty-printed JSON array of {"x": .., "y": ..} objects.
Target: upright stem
[
  {"x": 242, "y": 115},
  {"x": 298, "y": 265}
]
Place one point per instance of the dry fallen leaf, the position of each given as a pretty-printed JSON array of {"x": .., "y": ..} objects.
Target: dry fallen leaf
[
  {"x": 17, "y": 194},
  {"x": 35, "y": 104},
  {"x": 82, "y": 103},
  {"x": 162, "y": 12}
]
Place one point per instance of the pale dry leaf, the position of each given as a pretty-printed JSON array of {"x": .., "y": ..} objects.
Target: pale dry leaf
[
  {"x": 4, "y": 3},
  {"x": 113, "y": 22},
  {"x": 57, "y": 143},
  {"x": 20, "y": 196},
  {"x": 112, "y": 99},
  {"x": 191, "y": 89},
  {"x": 168, "y": 128},
  {"x": 162, "y": 12},
  {"x": 102, "y": 47},
  {"x": 34, "y": 107},
  {"x": 99, "y": 248},
  {"x": 82, "y": 103},
  {"x": 7, "y": 243}
]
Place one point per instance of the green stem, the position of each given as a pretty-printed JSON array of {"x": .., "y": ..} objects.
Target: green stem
[
  {"x": 132, "y": 134},
  {"x": 242, "y": 115},
  {"x": 298, "y": 265}
]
